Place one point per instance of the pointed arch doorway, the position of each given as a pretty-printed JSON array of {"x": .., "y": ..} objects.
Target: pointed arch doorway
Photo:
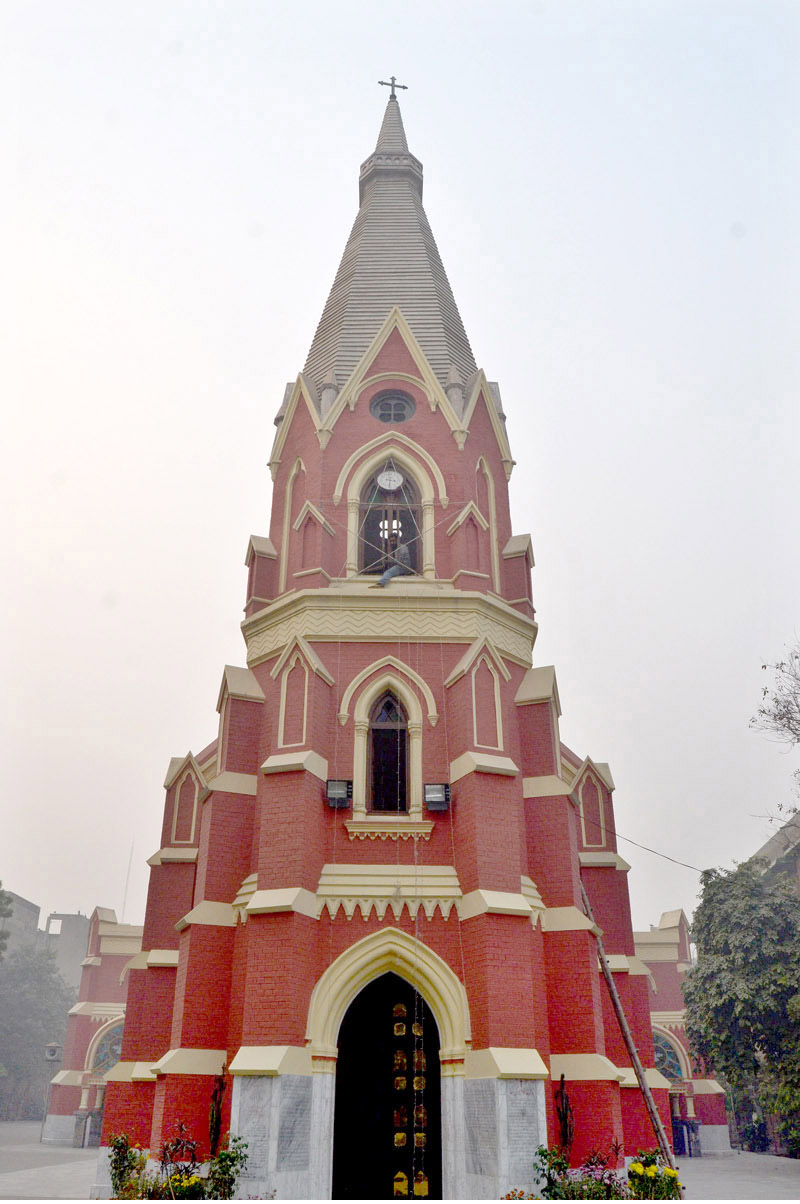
[{"x": 387, "y": 1137}]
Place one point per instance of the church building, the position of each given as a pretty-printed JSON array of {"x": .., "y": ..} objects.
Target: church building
[{"x": 366, "y": 908}]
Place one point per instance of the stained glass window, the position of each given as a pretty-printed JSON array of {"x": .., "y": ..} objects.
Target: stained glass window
[
  {"x": 667, "y": 1060},
  {"x": 108, "y": 1051}
]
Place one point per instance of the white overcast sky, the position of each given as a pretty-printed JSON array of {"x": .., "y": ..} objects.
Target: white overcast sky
[{"x": 615, "y": 190}]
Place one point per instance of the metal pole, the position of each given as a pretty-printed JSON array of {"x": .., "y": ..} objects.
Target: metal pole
[{"x": 627, "y": 1035}]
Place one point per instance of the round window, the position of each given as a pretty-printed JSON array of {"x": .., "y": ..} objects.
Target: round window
[{"x": 392, "y": 406}]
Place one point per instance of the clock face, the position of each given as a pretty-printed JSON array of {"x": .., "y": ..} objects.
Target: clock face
[{"x": 390, "y": 480}]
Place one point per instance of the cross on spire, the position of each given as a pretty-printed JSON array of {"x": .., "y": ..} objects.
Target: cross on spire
[{"x": 394, "y": 84}]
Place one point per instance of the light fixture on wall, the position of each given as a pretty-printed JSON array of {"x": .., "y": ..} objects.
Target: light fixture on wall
[
  {"x": 437, "y": 796},
  {"x": 338, "y": 793}
]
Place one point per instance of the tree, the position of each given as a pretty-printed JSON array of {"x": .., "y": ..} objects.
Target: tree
[
  {"x": 779, "y": 713},
  {"x": 743, "y": 996},
  {"x": 6, "y": 909},
  {"x": 34, "y": 1000}
]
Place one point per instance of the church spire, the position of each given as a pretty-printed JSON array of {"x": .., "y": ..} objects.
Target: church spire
[{"x": 391, "y": 258}]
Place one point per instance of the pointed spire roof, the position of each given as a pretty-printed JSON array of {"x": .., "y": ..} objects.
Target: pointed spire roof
[{"x": 391, "y": 258}]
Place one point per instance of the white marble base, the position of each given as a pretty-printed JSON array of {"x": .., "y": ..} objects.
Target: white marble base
[
  {"x": 102, "y": 1176},
  {"x": 714, "y": 1140},
  {"x": 58, "y": 1130},
  {"x": 491, "y": 1129}
]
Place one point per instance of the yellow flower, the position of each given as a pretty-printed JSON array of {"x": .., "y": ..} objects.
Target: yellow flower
[
  {"x": 651, "y": 1172},
  {"x": 637, "y": 1168},
  {"x": 669, "y": 1171}
]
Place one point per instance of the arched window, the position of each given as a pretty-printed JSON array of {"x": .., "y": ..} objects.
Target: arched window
[
  {"x": 667, "y": 1060},
  {"x": 389, "y": 507},
  {"x": 388, "y": 759}
]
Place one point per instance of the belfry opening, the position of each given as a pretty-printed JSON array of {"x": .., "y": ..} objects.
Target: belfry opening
[
  {"x": 366, "y": 914},
  {"x": 387, "y": 1120}
]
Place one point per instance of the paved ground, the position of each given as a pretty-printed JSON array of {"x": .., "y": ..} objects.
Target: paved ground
[
  {"x": 740, "y": 1177},
  {"x": 31, "y": 1171}
]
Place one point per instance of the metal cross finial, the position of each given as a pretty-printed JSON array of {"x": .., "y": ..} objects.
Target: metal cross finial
[{"x": 385, "y": 84}]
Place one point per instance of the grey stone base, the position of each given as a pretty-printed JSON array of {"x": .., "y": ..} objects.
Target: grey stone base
[
  {"x": 58, "y": 1130},
  {"x": 504, "y": 1123},
  {"x": 102, "y": 1177},
  {"x": 277, "y": 1115},
  {"x": 715, "y": 1140}
]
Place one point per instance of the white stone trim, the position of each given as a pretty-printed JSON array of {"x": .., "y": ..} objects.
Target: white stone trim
[
  {"x": 191, "y": 1061},
  {"x": 211, "y": 914},
  {"x": 566, "y": 919},
  {"x": 505, "y": 1063},
  {"x": 170, "y": 854},
  {"x": 271, "y": 1060},
  {"x": 480, "y": 762},
  {"x": 235, "y": 783},
  {"x": 494, "y": 902},
  {"x": 291, "y": 898},
  {"x": 387, "y": 887},
  {"x": 598, "y": 860},
  {"x": 309, "y": 761},
  {"x": 388, "y": 662},
  {"x": 585, "y": 1067}
]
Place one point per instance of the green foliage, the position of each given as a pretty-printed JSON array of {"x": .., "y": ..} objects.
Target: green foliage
[
  {"x": 34, "y": 1001},
  {"x": 6, "y": 910},
  {"x": 179, "y": 1174},
  {"x": 649, "y": 1178},
  {"x": 743, "y": 996}
]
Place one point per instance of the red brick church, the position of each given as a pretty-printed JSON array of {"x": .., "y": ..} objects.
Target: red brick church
[{"x": 367, "y": 900}]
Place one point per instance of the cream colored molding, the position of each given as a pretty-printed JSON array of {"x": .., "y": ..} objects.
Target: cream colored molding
[
  {"x": 500, "y": 1063},
  {"x": 161, "y": 958},
  {"x": 481, "y": 386},
  {"x": 244, "y": 895},
  {"x": 388, "y": 827},
  {"x": 271, "y": 1060},
  {"x": 309, "y": 761},
  {"x": 494, "y": 902},
  {"x": 539, "y": 685},
  {"x": 600, "y": 768},
  {"x": 241, "y": 683},
  {"x": 389, "y": 950},
  {"x": 259, "y": 545},
  {"x": 290, "y": 898},
  {"x": 172, "y": 855},
  {"x": 311, "y": 657},
  {"x": 139, "y": 962},
  {"x": 567, "y": 919},
  {"x": 548, "y": 785},
  {"x": 387, "y": 887},
  {"x": 583, "y": 1068},
  {"x": 486, "y": 660},
  {"x": 91, "y": 961},
  {"x": 316, "y": 570},
  {"x": 529, "y": 890},
  {"x": 469, "y": 510},
  {"x": 300, "y": 393},
  {"x": 479, "y": 762},
  {"x": 68, "y": 1078},
  {"x": 288, "y": 492},
  {"x": 292, "y": 663},
  {"x": 706, "y": 1087},
  {"x": 482, "y": 465},
  {"x": 208, "y": 913},
  {"x": 401, "y": 448},
  {"x": 669, "y": 1020},
  {"x": 473, "y": 652},
  {"x": 176, "y": 767},
  {"x": 365, "y": 701},
  {"x": 388, "y": 662},
  {"x": 602, "y": 860},
  {"x": 654, "y": 1078},
  {"x": 235, "y": 783},
  {"x": 97, "y": 1011},
  {"x": 414, "y": 469},
  {"x": 415, "y": 611},
  {"x": 519, "y": 545},
  {"x": 426, "y": 380},
  {"x": 624, "y": 963},
  {"x": 130, "y": 1072},
  {"x": 307, "y": 509},
  {"x": 191, "y": 1061}
]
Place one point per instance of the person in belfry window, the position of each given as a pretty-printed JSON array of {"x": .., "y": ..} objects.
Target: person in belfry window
[{"x": 399, "y": 562}]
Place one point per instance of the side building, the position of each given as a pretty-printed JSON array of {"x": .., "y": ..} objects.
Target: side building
[
  {"x": 94, "y": 1033},
  {"x": 697, "y": 1101}
]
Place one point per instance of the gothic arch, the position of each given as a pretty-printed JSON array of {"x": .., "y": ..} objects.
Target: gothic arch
[
  {"x": 494, "y": 557},
  {"x": 388, "y": 662},
  {"x": 367, "y": 959},
  {"x": 364, "y": 704},
  {"x": 295, "y": 470},
  {"x": 94, "y": 1044},
  {"x": 413, "y": 460},
  {"x": 683, "y": 1060}
]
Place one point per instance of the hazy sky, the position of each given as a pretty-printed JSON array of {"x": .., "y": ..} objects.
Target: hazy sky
[{"x": 614, "y": 188}]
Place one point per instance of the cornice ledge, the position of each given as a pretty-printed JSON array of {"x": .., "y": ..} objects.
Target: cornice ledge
[
  {"x": 210, "y": 914},
  {"x": 567, "y": 919},
  {"x": 271, "y": 1060},
  {"x": 494, "y": 902},
  {"x": 290, "y": 898},
  {"x": 309, "y": 761},
  {"x": 382, "y": 828},
  {"x": 169, "y": 854},
  {"x": 604, "y": 860},
  {"x": 503, "y": 1063},
  {"x": 191, "y": 1061},
  {"x": 479, "y": 762},
  {"x": 584, "y": 1067}
]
